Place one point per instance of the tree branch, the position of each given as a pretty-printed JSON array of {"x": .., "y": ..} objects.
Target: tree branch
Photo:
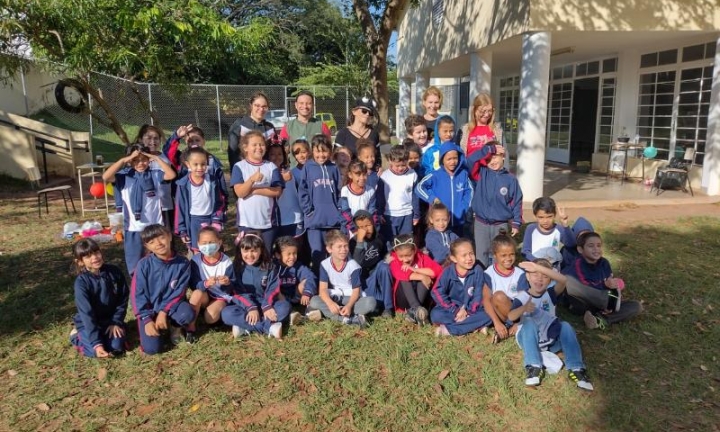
[{"x": 362, "y": 11}]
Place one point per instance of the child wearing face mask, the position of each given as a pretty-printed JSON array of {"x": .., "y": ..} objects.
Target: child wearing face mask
[{"x": 212, "y": 278}]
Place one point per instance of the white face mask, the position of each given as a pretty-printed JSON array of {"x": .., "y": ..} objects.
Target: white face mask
[{"x": 209, "y": 249}]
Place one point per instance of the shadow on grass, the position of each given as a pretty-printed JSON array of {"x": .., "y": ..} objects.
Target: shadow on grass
[{"x": 657, "y": 372}]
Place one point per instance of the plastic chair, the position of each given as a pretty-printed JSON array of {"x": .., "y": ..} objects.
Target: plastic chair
[{"x": 676, "y": 174}]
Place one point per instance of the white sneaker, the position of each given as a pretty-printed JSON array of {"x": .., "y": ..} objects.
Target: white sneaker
[
  {"x": 275, "y": 330},
  {"x": 238, "y": 332},
  {"x": 295, "y": 318},
  {"x": 441, "y": 331},
  {"x": 314, "y": 315}
]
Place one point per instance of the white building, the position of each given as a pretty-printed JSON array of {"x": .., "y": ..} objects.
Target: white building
[{"x": 568, "y": 76}]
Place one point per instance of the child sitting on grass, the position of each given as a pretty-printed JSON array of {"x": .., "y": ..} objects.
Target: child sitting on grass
[
  {"x": 368, "y": 248},
  {"x": 101, "y": 298},
  {"x": 438, "y": 237},
  {"x": 414, "y": 274},
  {"x": 463, "y": 301},
  {"x": 543, "y": 239},
  {"x": 298, "y": 284},
  {"x": 541, "y": 329},
  {"x": 258, "y": 306},
  {"x": 213, "y": 276},
  {"x": 593, "y": 290},
  {"x": 341, "y": 297},
  {"x": 159, "y": 285}
]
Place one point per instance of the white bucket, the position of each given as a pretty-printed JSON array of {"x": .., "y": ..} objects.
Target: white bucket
[{"x": 116, "y": 219}]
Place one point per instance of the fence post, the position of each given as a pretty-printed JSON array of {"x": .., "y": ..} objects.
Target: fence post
[
  {"x": 347, "y": 103},
  {"x": 150, "y": 103},
  {"x": 217, "y": 104},
  {"x": 90, "y": 109}
]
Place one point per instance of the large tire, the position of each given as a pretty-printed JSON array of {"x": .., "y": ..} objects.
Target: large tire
[{"x": 60, "y": 96}]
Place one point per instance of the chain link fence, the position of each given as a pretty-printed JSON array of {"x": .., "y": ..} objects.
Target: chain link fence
[{"x": 212, "y": 107}]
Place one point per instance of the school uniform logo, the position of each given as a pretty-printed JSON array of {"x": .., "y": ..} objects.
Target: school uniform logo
[
  {"x": 503, "y": 191},
  {"x": 471, "y": 291},
  {"x": 513, "y": 288},
  {"x": 409, "y": 189},
  {"x": 459, "y": 187},
  {"x": 546, "y": 306},
  {"x": 263, "y": 281},
  {"x": 173, "y": 284}
]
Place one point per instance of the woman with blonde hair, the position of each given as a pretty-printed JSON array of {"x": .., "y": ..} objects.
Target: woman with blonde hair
[
  {"x": 481, "y": 128},
  {"x": 432, "y": 100}
]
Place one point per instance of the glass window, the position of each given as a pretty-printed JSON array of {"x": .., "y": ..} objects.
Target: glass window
[
  {"x": 609, "y": 65},
  {"x": 655, "y": 107},
  {"x": 710, "y": 48},
  {"x": 667, "y": 57},
  {"x": 559, "y": 118},
  {"x": 568, "y": 71},
  {"x": 607, "y": 111},
  {"x": 692, "y": 53},
  {"x": 581, "y": 69},
  {"x": 593, "y": 68},
  {"x": 648, "y": 60}
]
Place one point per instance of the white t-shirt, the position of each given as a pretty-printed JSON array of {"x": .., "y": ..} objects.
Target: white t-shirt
[
  {"x": 151, "y": 210},
  {"x": 256, "y": 211},
  {"x": 512, "y": 284},
  {"x": 398, "y": 190},
  {"x": 341, "y": 281},
  {"x": 200, "y": 202},
  {"x": 357, "y": 202}
]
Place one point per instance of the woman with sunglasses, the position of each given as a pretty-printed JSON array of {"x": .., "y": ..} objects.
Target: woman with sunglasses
[
  {"x": 360, "y": 125},
  {"x": 481, "y": 128}
]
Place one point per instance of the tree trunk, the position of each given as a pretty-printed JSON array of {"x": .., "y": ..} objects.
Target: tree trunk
[
  {"x": 113, "y": 122},
  {"x": 378, "y": 82}
]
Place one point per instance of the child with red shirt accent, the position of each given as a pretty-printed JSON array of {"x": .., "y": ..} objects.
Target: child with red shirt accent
[
  {"x": 414, "y": 274},
  {"x": 481, "y": 129}
]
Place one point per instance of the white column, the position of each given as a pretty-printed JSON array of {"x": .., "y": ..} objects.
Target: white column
[
  {"x": 534, "y": 79},
  {"x": 480, "y": 73},
  {"x": 405, "y": 108},
  {"x": 711, "y": 162},
  {"x": 422, "y": 82}
]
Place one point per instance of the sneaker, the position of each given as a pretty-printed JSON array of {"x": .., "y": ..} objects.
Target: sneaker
[
  {"x": 410, "y": 316},
  {"x": 275, "y": 330},
  {"x": 239, "y": 332},
  {"x": 580, "y": 377},
  {"x": 442, "y": 331},
  {"x": 314, "y": 316},
  {"x": 190, "y": 337},
  {"x": 533, "y": 375},
  {"x": 73, "y": 332},
  {"x": 387, "y": 313},
  {"x": 176, "y": 336},
  {"x": 594, "y": 321},
  {"x": 359, "y": 320},
  {"x": 296, "y": 318},
  {"x": 421, "y": 315}
]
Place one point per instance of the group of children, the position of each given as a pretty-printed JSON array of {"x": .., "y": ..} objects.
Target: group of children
[{"x": 362, "y": 227}]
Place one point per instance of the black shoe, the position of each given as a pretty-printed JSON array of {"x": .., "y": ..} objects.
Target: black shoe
[
  {"x": 580, "y": 377},
  {"x": 533, "y": 375},
  {"x": 190, "y": 337},
  {"x": 410, "y": 316},
  {"x": 422, "y": 316},
  {"x": 387, "y": 313}
]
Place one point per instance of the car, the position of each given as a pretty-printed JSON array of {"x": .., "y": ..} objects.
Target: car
[
  {"x": 278, "y": 118},
  {"x": 328, "y": 120}
]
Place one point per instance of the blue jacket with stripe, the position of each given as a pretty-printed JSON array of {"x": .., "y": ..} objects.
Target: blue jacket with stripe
[
  {"x": 450, "y": 293},
  {"x": 158, "y": 285},
  {"x": 101, "y": 300}
]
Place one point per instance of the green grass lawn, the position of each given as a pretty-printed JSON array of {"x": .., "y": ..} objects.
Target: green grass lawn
[{"x": 659, "y": 372}]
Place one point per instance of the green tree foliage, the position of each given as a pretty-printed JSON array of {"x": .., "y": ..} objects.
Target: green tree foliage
[{"x": 166, "y": 41}]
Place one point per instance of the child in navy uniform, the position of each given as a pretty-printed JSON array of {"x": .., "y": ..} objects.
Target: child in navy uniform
[
  {"x": 444, "y": 132},
  {"x": 569, "y": 251},
  {"x": 545, "y": 236},
  {"x": 258, "y": 306},
  {"x": 497, "y": 199},
  {"x": 319, "y": 190},
  {"x": 138, "y": 188},
  {"x": 199, "y": 199},
  {"x": 291, "y": 220},
  {"x": 369, "y": 249},
  {"x": 298, "y": 284},
  {"x": 541, "y": 329},
  {"x": 101, "y": 298},
  {"x": 257, "y": 184},
  {"x": 462, "y": 298},
  {"x": 449, "y": 185},
  {"x": 592, "y": 288},
  {"x": 158, "y": 292},
  {"x": 340, "y": 295},
  {"x": 213, "y": 276},
  {"x": 438, "y": 237}
]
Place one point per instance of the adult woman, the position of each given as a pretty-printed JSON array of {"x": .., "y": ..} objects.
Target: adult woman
[
  {"x": 481, "y": 128},
  {"x": 259, "y": 105},
  {"x": 360, "y": 125},
  {"x": 432, "y": 101}
]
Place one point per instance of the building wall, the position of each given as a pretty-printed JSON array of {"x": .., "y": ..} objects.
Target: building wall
[
  {"x": 39, "y": 92},
  {"x": 468, "y": 26}
]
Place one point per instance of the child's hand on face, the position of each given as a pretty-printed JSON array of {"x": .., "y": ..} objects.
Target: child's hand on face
[
  {"x": 161, "y": 321},
  {"x": 271, "y": 314},
  {"x": 461, "y": 315},
  {"x": 151, "y": 329},
  {"x": 132, "y": 156},
  {"x": 360, "y": 235},
  {"x": 182, "y": 131},
  {"x": 564, "y": 219},
  {"x": 500, "y": 150},
  {"x": 101, "y": 353},
  {"x": 252, "y": 317},
  {"x": 528, "y": 266},
  {"x": 115, "y": 331}
]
